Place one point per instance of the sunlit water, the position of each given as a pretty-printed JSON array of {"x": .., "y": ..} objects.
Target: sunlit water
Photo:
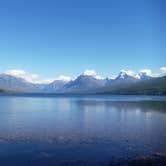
[{"x": 79, "y": 129}]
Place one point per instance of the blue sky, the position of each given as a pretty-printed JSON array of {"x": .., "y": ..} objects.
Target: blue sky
[{"x": 54, "y": 37}]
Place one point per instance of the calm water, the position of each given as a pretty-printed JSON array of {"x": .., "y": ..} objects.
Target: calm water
[{"x": 79, "y": 130}]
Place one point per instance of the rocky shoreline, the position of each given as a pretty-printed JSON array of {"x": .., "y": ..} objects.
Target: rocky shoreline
[{"x": 156, "y": 159}]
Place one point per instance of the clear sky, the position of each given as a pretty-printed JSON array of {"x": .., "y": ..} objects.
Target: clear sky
[{"x": 54, "y": 37}]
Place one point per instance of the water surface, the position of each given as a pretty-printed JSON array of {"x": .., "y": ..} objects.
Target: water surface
[{"x": 79, "y": 129}]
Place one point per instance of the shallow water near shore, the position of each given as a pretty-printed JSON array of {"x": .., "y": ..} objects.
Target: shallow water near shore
[{"x": 79, "y": 129}]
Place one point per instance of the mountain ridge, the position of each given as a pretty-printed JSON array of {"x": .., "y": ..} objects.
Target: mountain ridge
[
  {"x": 154, "y": 86},
  {"x": 82, "y": 84}
]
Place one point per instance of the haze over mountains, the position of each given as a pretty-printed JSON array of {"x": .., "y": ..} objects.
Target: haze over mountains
[{"x": 86, "y": 82}]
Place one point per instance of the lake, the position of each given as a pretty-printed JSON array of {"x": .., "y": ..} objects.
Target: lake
[{"x": 61, "y": 130}]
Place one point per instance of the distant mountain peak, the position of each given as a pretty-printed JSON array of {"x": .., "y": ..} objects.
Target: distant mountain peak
[
  {"x": 145, "y": 76},
  {"x": 85, "y": 82},
  {"x": 124, "y": 74}
]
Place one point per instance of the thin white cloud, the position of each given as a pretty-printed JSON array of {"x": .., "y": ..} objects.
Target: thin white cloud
[
  {"x": 163, "y": 69},
  {"x": 63, "y": 78},
  {"x": 98, "y": 77},
  {"x": 34, "y": 78},
  {"x": 23, "y": 74},
  {"x": 112, "y": 77},
  {"x": 129, "y": 72},
  {"x": 146, "y": 71},
  {"x": 89, "y": 72},
  {"x": 92, "y": 73},
  {"x": 44, "y": 81},
  {"x": 149, "y": 72}
]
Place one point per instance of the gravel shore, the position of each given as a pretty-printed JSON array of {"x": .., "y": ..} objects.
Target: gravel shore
[{"x": 157, "y": 159}]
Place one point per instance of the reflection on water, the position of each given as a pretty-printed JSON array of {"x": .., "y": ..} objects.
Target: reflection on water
[{"x": 95, "y": 124}]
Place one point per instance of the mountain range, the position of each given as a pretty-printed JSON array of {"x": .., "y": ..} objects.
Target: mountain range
[
  {"x": 82, "y": 84},
  {"x": 153, "y": 86}
]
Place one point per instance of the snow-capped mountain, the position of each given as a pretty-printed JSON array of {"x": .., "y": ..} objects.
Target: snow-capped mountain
[
  {"x": 126, "y": 77},
  {"x": 83, "y": 83},
  {"x": 15, "y": 84},
  {"x": 144, "y": 76}
]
